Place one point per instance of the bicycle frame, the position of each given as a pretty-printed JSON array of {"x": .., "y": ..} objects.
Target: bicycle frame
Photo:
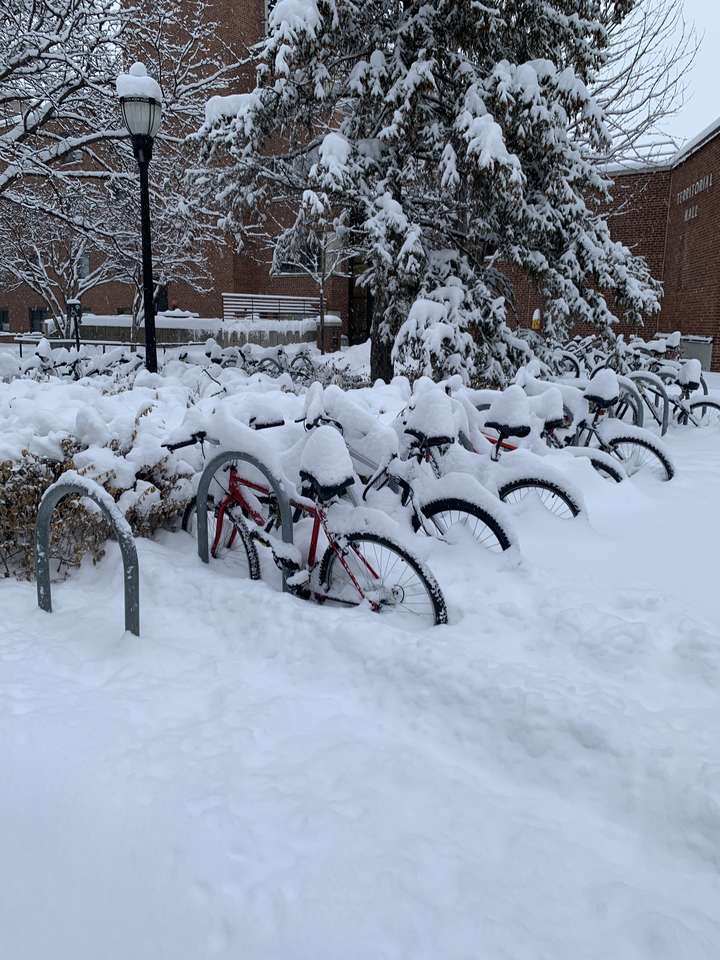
[{"x": 235, "y": 496}]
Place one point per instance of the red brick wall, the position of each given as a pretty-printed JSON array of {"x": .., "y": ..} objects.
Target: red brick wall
[{"x": 692, "y": 255}]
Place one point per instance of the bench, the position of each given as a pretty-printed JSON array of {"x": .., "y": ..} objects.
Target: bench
[{"x": 248, "y": 306}]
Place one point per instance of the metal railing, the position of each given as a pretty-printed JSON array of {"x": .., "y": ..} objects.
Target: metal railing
[{"x": 104, "y": 344}]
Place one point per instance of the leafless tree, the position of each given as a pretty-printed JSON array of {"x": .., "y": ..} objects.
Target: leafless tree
[
  {"x": 650, "y": 54},
  {"x": 68, "y": 178}
]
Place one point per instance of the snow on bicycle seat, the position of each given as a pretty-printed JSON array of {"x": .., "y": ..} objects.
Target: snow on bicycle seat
[
  {"x": 430, "y": 419},
  {"x": 690, "y": 374},
  {"x": 604, "y": 389},
  {"x": 510, "y": 414},
  {"x": 548, "y": 407},
  {"x": 325, "y": 465}
]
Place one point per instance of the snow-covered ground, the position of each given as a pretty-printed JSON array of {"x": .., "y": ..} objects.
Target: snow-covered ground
[{"x": 264, "y": 778}]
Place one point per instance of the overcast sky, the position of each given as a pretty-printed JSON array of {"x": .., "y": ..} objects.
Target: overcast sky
[{"x": 702, "y": 106}]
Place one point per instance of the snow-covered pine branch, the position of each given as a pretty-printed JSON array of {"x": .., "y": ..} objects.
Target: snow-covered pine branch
[{"x": 452, "y": 139}]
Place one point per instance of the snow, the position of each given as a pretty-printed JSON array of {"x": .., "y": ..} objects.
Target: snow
[
  {"x": 690, "y": 372},
  {"x": 604, "y": 385},
  {"x": 137, "y": 83},
  {"x": 511, "y": 408},
  {"x": 325, "y": 458},
  {"x": 431, "y": 414},
  {"x": 236, "y": 106},
  {"x": 259, "y": 776}
]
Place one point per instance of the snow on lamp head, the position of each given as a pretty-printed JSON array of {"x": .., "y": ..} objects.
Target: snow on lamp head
[{"x": 140, "y": 101}]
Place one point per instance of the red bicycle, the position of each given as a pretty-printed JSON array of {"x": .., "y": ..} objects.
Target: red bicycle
[{"x": 344, "y": 564}]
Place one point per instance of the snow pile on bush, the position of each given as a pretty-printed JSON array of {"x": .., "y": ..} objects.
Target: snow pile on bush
[{"x": 47, "y": 429}]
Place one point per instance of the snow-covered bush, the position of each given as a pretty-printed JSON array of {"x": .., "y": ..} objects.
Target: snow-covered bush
[
  {"x": 154, "y": 500},
  {"x": 109, "y": 434},
  {"x": 76, "y": 531}
]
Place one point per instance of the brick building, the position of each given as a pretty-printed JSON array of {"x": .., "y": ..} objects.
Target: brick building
[{"x": 669, "y": 214}]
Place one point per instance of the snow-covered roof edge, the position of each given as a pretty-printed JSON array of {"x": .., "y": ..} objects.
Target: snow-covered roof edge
[
  {"x": 692, "y": 146},
  {"x": 683, "y": 154}
]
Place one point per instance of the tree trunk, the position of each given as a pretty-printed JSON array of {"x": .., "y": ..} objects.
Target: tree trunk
[{"x": 381, "y": 366}]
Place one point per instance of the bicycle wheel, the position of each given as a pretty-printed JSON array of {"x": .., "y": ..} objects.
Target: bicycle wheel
[
  {"x": 387, "y": 574},
  {"x": 706, "y": 412},
  {"x": 551, "y": 496},
  {"x": 302, "y": 370},
  {"x": 566, "y": 363},
  {"x": 606, "y": 470},
  {"x": 269, "y": 367},
  {"x": 235, "y": 534},
  {"x": 640, "y": 457},
  {"x": 447, "y": 513}
]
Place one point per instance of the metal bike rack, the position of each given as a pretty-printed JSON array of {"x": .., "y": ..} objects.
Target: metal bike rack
[
  {"x": 131, "y": 575},
  {"x": 202, "y": 495},
  {"x": 639, "y": 376},
  {"x": 638, "y": 403}
]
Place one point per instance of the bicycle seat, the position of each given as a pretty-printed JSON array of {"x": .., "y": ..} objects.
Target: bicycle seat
[
  {"x": 602, "y": 402},
  {"x": 555, "y": 424},
  {"x": 326, "y": 469},
  {"x": 424, "y": 440},
  {"x": 321, "y": 492},
  {"x": 603, "y": 391},
  {"x": 506, "y": 430}
]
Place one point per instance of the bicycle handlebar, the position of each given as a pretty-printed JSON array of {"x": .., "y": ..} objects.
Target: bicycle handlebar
[
  {"x": 327, "y": 421},
  {"x": 199, "y": 437}
]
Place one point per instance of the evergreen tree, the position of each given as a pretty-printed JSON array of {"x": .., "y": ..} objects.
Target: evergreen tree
[{"x": 454, "y": 139}]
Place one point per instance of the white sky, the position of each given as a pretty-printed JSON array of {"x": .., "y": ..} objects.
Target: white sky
[{"x": 702, "y": 105}]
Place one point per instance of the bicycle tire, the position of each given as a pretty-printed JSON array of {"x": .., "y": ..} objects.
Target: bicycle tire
[
  {"x": 567, "y": 363},
  {"x": 235, "y": 529},
  {"x": 270, "y": 367},
  {"x": 606, "y": 471},
  {"x": 332, "y": 571},
  {"x": 302, "y": 369},
  {"x": 556, "y": 500},
  {"x": 486, "y": 530},
  {"x": 620, "y": 447},
  {"x": 703, "y": 405}
]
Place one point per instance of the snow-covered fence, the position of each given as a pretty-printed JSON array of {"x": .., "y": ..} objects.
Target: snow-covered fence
[
  {"x": 73, "y": 484},
  {"x": 176, "y": 327},
  {"x": 202, "y": 497}
]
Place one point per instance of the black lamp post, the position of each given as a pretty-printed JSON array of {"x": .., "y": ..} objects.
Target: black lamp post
[
  {"x": 141, "y": 106},
  {"x": 74, "y": 318}
]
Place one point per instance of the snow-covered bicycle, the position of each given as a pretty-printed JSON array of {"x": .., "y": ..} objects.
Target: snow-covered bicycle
[{"x": 352, "y": 557}]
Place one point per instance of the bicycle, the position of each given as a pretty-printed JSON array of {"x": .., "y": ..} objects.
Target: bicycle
[
  {"x": 357, "y": 566},
  {"x": 271, "y": 361},
  {"x": 636, "y": 449},
  {"x": 437, "y": 501},
  {"x": 525, "y": 474}
]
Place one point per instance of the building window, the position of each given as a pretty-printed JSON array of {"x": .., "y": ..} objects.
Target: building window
[
  {"x": 308, "y": 261},
  {"x": 37, "y": 317},
  {"x": 4, "y": 318},
  {"x": 83, "y": 269},
  {"x": 288, "y": 268}
]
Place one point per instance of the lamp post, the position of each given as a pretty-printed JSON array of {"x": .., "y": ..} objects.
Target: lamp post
[
  {"x": 141, "y": 106},
  {"x": 74, "y": 318}
]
